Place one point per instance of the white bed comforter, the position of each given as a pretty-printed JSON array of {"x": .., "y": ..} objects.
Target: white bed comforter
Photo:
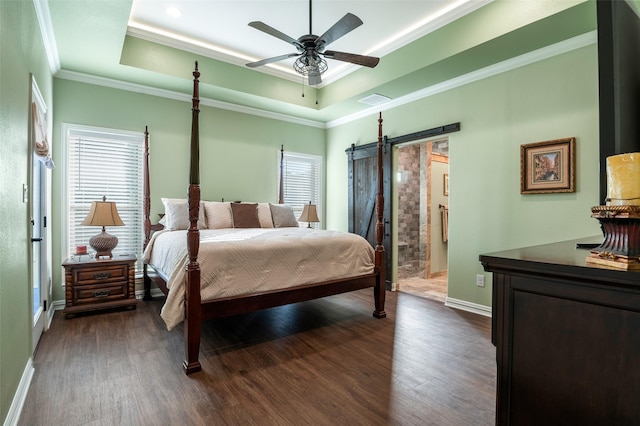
[{"x": 242, "y": 261}]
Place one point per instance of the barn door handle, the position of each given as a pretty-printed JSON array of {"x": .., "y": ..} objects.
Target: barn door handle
[
  {"x": 36, "y": 240},
  {"x": 386, "y": 222}
]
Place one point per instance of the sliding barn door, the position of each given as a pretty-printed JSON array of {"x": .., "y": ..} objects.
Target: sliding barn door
[{"x": 363, "y": 187}]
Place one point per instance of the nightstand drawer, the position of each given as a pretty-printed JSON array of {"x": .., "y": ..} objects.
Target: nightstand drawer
[
  {"x": 99, "y": 293},
  {"x": 101, "y": 274}
]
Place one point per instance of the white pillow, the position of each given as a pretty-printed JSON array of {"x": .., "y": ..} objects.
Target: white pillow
[
  {"x": 264, "y": 215},
  {"x": 176, "y": 211},
  {"x": 218, "y": 214}
]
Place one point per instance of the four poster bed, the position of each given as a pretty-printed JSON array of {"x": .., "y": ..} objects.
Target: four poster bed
[{"x": 288, "y": 267}]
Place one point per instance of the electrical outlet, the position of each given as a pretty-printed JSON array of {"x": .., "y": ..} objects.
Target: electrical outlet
[{"x": 480, "y": 280}]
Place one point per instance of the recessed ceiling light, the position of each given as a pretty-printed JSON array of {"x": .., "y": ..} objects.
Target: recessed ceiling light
[{"x": 174, "y": 12}]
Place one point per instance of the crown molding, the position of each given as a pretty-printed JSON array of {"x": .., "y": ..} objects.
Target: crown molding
[
  {"x": 455, "y": 12},
  {"x": 169, "y": 94},
  {"x": 335, "y": 73},
  {"x": 492, "y": 70},
  {"x": 48, "y": 37},
  {"x": 541, "y": 54},
  {"x": 199, "y": 48},
  {"x": 209, "y": 51}
]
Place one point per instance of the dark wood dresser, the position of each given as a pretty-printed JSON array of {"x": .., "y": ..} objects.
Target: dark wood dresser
[
  {"x": 567, "y": 338},
  {"x": 99, "y": 284}
]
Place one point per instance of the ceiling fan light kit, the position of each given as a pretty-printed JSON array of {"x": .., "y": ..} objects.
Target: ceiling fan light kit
[{"x": 311, "y": 48}]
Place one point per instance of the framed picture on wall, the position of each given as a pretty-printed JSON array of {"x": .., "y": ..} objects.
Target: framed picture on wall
[
  {"x": 547, "y": 167},
  {"x": 446, "y": 184}
]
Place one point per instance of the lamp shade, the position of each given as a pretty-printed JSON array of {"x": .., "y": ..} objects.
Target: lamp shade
[
  {"x": 103, "y": 213},
  {"x": 309, "y": 214}
]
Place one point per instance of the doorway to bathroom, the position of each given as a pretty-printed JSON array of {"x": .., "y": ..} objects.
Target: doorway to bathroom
[{"x": 422, "y": 199}]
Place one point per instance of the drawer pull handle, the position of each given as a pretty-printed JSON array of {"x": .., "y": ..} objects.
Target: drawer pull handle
[
  {"x": 102, "y": 276},
  {"x": 103, "y": 293}
]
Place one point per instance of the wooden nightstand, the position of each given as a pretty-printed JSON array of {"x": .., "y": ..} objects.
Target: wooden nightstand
[{"x": 99, "y": 284}]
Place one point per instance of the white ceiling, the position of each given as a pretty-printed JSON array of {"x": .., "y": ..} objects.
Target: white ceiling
[{"x": 220, "y": 28}]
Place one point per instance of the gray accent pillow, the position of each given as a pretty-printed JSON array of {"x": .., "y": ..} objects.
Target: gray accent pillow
[{"x": 283, "y": 216}]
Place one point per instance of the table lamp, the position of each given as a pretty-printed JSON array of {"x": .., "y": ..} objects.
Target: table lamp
[
  {"x": 103, "y": 213},
  {"x": 309, "y": 214}
]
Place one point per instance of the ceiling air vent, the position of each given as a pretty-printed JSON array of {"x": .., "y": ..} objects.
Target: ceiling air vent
[{"x": 374, "y": 100}]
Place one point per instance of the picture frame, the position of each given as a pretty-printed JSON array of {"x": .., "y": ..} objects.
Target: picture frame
[
  {"x": 548, "y": 167},
  {"x": 446, "y": 184}
]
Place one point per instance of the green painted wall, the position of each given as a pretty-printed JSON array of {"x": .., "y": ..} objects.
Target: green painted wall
[
  {"x": 551, "y": 99},
  {"x": 21, "y": 53},
  {"x": 239, "y": 152}
]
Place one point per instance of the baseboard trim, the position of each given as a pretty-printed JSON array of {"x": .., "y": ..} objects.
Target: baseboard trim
[
  {"x": 57, "y": 305},
  {"x": 50, "y": 312},
  {"x": 21, "y": 395},
  {"x": 464, "y": 305}
]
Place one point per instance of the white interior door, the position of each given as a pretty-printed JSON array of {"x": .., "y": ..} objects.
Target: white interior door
[
  {"x": 39, "y": 198},
  {"x": 38, "y": 251}
]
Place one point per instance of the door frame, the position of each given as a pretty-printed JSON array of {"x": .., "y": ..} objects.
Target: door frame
[
  {"x": 39, "y": 195},
  {"x": 364, "y": 151}
]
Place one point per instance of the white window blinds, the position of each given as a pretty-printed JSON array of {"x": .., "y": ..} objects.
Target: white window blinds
[
  {"x": 109, "y": 163},
  {"x": 302, "y": 177}
]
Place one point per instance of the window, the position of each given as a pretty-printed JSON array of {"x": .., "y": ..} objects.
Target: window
[
  {"x": 104, "y": 162},
  {"x": 302, "y": 177}
]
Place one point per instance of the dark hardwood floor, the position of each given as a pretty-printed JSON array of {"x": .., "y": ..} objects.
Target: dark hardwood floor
[{"x": 323, "y": 362}]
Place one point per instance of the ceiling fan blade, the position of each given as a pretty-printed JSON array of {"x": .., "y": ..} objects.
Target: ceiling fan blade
[
  {"x": 365, "y": 61},
  {"x": 278, "y": 34},
  {"x": 270, "y": 60},
  {"x": 348, "y": 23}
]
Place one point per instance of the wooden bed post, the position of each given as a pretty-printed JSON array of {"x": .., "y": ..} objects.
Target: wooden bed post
[
  {"x": 193, "y": 314},
  {"x": 380, "y": 258},
  {"x": 147, "y": 190},
  {"x": 281, "y": 188},
  {"x": 146, "y": 203}
]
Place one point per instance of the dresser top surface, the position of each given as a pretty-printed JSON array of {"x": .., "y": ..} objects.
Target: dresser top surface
[{"x": 562, "y": 258}]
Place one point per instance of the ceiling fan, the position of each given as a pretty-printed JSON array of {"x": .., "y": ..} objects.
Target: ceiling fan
[{"x": 311, "y": 48}]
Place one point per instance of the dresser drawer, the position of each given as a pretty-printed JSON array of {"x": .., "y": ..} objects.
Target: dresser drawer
[
  {"x": 100, "y": 293},
  {"x": 101, "y": 275}
]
